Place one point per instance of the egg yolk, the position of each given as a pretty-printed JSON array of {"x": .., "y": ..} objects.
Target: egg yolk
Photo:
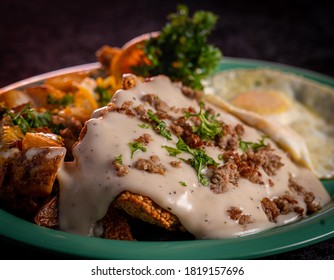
[{"x": 263, "y": 102}]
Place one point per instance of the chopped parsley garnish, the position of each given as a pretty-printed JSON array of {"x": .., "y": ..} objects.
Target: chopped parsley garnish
[
  {"x": 119, "y": 159},
  {"x": 28, "y": 118},
  {"x": 183, "y": 184},
  {"x": 199, "y": 161},
  {"x": 181, "y": 50},
  {"x": 104, "y": 95},
  {"x": 244, "y": 145},
  {"x": 65, "y": 101},
  {"x": 159, "y": 125},
  {"x": 135, "y": 146},
  {"x": 172, "y": 151},
  {"x": 144, "y": 125},
  {"x": 209, "y": 126}
]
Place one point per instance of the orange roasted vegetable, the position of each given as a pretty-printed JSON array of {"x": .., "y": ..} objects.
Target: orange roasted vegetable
[
  {"x": 40, "y": 95},
  {"x": 38, "y": 140},
  {"x": 14, "y": 98},
  {"x": 67, "y": 82}
]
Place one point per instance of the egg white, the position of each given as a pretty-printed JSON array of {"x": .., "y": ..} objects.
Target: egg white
[{"x": 278, "y": 102}]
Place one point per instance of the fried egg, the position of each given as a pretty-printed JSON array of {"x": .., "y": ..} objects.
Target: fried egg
[{"x": 276, "y": 102}]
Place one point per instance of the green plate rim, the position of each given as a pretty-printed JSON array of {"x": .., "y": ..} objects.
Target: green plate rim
[{"x": 313, "y": 229}]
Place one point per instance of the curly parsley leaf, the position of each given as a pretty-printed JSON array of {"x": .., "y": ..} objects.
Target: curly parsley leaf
[
  {"x": 199, "y": 161},
  {"x": 159, "y": 125},
  {"x": 172, "y": 151},
  {"x": 119, "y": 159},
  {"x": 135, "y": 146},
  {"x": 29, "y": 118},
  {"x": 181, "y": 50},
  {"x": 244, "y": 145},
  {"x": 209, "y": 126}
]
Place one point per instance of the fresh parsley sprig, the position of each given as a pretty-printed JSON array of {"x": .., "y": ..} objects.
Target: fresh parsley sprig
[
  {"x": 119, "y": 159},
  {"x": 245, "y": 145},
  {"x": 209, "y": 127},
  {"x": 199, "y": 161},
  {"x": 181, "y": 50},
  {"x": 172, "y": 151},
  {"x": 135, "y": 146},
  {"x": 29, "y": 118},
  {"x": 159, "y": 125}
]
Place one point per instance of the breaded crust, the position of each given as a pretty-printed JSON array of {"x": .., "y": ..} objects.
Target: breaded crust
[
  {"x": 144, "y": 208},
  {"x": 115, "y": 224}
]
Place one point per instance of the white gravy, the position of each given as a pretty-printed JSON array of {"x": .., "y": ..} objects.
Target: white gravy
[{"x": 89, "y": 184}]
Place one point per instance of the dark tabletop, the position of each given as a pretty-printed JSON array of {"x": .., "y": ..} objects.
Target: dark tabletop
[{"x": 39, "y": 36}]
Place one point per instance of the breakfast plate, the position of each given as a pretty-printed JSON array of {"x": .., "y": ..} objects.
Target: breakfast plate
[{"x": 315, "y": 228}]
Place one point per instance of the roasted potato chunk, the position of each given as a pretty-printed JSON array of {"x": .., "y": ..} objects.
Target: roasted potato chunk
[
  {"x": 39, "y": 140},
  {"x": 34, "y": 171},
  {"x": 40, "y": 94},
  {"x": 66, "y": 82}
]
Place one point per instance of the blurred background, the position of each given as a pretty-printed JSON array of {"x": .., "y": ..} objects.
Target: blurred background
[{"x": 43, "y": 35}]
